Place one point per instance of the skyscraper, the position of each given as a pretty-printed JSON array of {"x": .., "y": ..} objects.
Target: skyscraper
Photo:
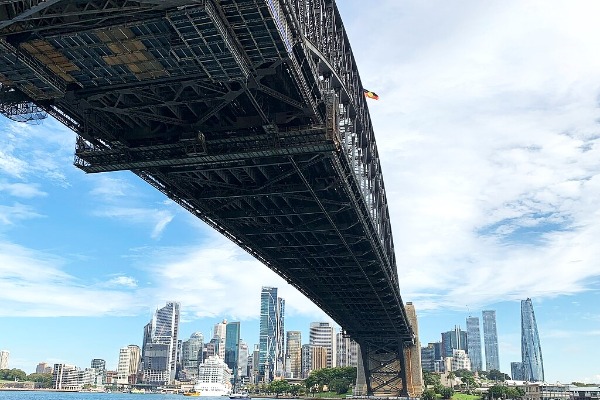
[
  {"x": 516, "y": 371},
  {"x": 474, "y": 343},
  {"x": 159, "y": 351},
  {"x": 294, "y": 353},
  {"x": 129, "y": 361},
  {"x": 219, "y": 337},
  {"x": 347, "y": 351},
  {"x": 232, "y": 348},
  {"x": 191, "y": 354},
  {"x": 271, "y": 331},
  {"x": 531, "y": 349},
  {"x": 100, "y": 366},
  {"x": 454, "y": 340},
  {"x": 322, "y": 334},
  {"x": 490, "y": 340}
]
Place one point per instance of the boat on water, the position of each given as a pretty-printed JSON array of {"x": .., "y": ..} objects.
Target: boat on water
[
  {"x": 191, "y": 393},
  {"x": 137, "y": 391}
]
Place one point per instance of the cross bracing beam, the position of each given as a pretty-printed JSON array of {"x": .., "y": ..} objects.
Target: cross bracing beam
[{"x": 249, "y": 114}]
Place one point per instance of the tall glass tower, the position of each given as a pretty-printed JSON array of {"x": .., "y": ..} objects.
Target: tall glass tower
[
  {"x": 490, "y": 340},
  {"x": 474, "y": 343},
  {"x": 159, "y": 351},
  {"x": 531, "y": 350},
  {"x": 271, "y": 331},
  {"x": 232, "y": 348}
]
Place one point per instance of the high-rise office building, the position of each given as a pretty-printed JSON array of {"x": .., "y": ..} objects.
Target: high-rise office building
[
  {"x": 474, "y": 343},
  {"x": 4, "y": 354},
  {"x": 243, "y": 360},
  {"x": 280, "y": 350},
  {"x": 531, "y": 349},
  {"x": 454, "y": 340},
  {"x": 516, "y": 371},
  {"x": 490, "y": 340},
  {"x": 318, "y": 357},
  {"x": 294, "y": 353},
  {"x": 306, "y": 361},
  {"x": 43, "y": 368},
  {"x": 347, "y": 351},
  {"x": 100, "y": 366},
  {"x": 232, "y": 349},
  {"x": 159, "y": 351},
  {"x": 129, "y": 361},
  {"x": 271, "y": 354},
  {"x": 219, "y": 334},
  {"x": 322, "y": 334},
  {"x": 191, "y": 354}
]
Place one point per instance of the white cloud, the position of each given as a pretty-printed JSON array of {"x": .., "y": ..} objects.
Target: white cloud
[
  {"x": 157, "y": 219},
  {"x": 24, "y": 190},
  {"x": 10, "y": 214},
  {"x": 217, "y": 278},
  {"x": 488, "y": 135},
  {"x": 126, "y": 281},
  {"x": 34, "y": 284}
]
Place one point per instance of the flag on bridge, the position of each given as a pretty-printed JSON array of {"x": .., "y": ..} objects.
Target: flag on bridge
[{"x": 370, "y": 95}]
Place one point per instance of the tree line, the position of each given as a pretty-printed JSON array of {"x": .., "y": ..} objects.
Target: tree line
[{"x": 44, "y": 380}]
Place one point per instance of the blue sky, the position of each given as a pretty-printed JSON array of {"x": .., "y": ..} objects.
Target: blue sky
[{"x": 487, "y": 126}]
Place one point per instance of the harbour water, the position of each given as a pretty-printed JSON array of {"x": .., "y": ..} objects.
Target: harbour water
[{"x": 42, "y": 395}]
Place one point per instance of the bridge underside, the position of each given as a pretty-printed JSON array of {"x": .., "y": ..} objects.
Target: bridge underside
[{"x": 248, "y": 113}]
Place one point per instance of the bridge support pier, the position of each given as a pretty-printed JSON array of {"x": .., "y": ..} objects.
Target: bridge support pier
[{"x": 390, "y": 369}]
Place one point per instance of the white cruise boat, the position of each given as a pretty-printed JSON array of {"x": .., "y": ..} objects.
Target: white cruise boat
[{"x": 214, "y": 378}]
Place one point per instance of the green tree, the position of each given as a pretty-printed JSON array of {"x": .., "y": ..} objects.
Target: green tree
[
  {"x": 12, "y": 374},
  {"x": 279, "y": 386},
  {"x": 43, "y": 380},
  {"x": 428, "y": 395},
  {"x": 431, "y": 378},
  {"x": 496, "y": 391},
  {"x": 447, "y": 393},
  {"x": 295, "y": 389},
  {"x": 339, "y": 385},
  {"x": 495, "y": 375}
]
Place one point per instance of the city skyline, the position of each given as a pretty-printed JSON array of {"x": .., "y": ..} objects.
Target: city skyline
[{"x": 486, "y": 126}]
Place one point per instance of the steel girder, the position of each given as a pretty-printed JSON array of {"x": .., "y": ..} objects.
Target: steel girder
[{"x": 248, "y": 113}]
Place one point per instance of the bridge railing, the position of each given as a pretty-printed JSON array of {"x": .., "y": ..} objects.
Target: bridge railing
[{"x": 329, "y": 64}]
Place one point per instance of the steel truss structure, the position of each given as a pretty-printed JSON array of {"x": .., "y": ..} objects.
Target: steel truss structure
[{"x": 248, "y": 113}]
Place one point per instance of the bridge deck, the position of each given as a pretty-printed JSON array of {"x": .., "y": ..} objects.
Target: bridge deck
[{"x": 248, "y": 113}]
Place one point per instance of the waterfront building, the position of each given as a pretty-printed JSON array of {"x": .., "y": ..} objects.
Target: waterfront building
[
  {"x": 159, "y": 351},
  {"x": 99, "y": 366},
  {"x": 294, "y": 354},
  {"x": 531, "y": 349},
  {"x": 322, "y": 334},
  {"x": 306, "y": 361},
  {"x": 516, "y": 371},
  {"x": 490, "y": 340},
  {"x": 214, "y": 377},
  {"x": 546, "y": 391},
  {"x": 318, "y": 357},
  {"x": 453, "y": 340},
  {"x": 43, "y": 368},
  {"x": 474, "y": 343},
  {"x": 254, "y": 365},
  {"x": 584, "y": 392},
  {"x": 346, "y": 352},
  {"x": 65, "y": 377},
  {"x": 4, "y": 355},
  {"x": 127, "y": 368},
  {"x": 191, "y": 354},
  {"x": 271, "y": 354},
  {"x": 232, "y": 348}
]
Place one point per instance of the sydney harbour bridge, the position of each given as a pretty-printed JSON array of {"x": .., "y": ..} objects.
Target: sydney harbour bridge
[{"x": 250, "y": 114}]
